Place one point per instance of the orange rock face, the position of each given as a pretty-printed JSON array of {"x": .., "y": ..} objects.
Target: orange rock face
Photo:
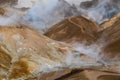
[
  {"x": 107, "y": 35},
  {"x": 26, "y": 54},
  {"x": 112, "y": 38},
  {"x": 75, "y": 28},
  {"x": 23, "y": 51},
  {"x": 79, "y": 29}
]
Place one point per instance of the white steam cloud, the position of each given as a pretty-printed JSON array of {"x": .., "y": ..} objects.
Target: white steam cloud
[
  {"x": 100, "y": 10},
  {"x": 89, "y": 55},
  {"x": 46, "y": 13},
  {"x": 42, "y": 14}
]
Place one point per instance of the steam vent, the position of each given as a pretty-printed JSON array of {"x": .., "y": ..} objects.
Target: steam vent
[{"x": 59, "y": 39}]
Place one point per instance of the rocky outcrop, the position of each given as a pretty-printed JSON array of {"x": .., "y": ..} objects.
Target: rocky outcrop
[
  {"x": 5, "y": 2},
  {"x": 89, "y": 4},
  {"x": 72, "y": 29},
  {"x": 110, "y": 21}
]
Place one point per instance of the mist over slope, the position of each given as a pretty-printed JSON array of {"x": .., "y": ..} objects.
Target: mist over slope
[{"x": 42, "y": 14}]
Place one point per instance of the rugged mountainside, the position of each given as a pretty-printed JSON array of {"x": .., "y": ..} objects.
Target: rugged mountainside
[
  {"x": 107, "y": 36},
  {"x": 23, "y": 51},
  {"x": 112, "y": 38},
  {"x": 72, "y": 29},
  {"x": 24, "y": 54},
  {"x": 76, "y": 48},
  {"x": 76, "y": 29}
]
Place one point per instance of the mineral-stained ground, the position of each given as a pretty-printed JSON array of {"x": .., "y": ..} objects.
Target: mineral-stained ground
[{"x": 59, "y": 40}]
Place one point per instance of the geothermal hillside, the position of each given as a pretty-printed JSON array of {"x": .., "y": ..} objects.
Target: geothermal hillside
[{"x": 59, "y": 39}]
